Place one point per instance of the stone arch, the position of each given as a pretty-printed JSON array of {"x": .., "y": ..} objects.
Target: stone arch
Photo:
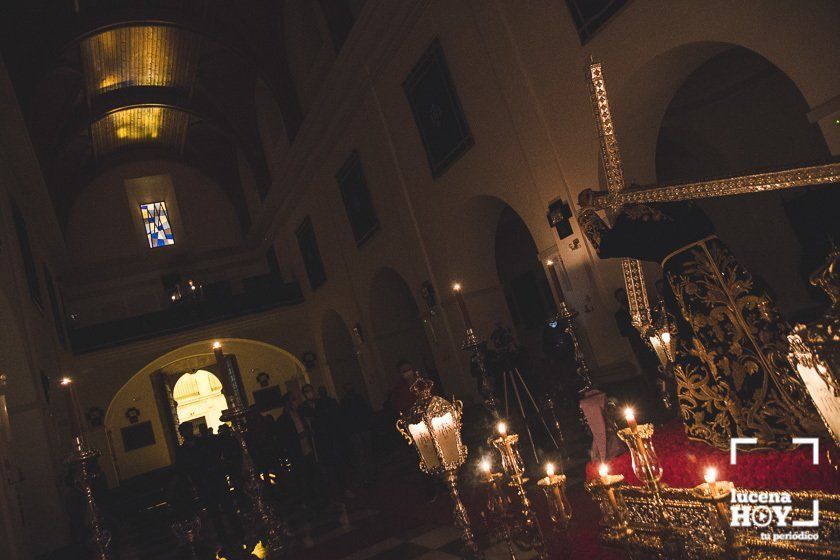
[
  {"x": 754, "y": 116},
  {"x": 471, "y": 259},
  {"x": 143, "y": 392},
  {"x": 523, "y": 279},
  {"x": 639, "y": 102},
  {"x": 341, "y": 355},
  {"x": 398, "y": 329}
]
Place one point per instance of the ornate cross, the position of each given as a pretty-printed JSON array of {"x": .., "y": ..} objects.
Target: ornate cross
[
  {"x": 634, "y": 278},
  {"x": 616, "y": 195}
]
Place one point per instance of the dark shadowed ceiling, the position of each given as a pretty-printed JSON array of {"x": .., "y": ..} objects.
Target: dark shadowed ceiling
[{"x": 108, "y": 81}]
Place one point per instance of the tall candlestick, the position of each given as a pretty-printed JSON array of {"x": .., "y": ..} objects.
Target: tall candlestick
[
  {"x": 631, "y": 419},
  {"x": 227, "y": 376},
  {"x": 465, "y": 314},
  {"x": 74, "y": 410},
  {"x": 555, "y": 281}
]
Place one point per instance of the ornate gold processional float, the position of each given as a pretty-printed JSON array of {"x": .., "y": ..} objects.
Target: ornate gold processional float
[{"x": 652, "y": 520}]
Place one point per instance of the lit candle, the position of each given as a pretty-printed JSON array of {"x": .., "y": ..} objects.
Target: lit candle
[
  {"x": 710, "y": 477},
  {"x": 502, "y": 429},
  {"x": 425, "y": 445},
  {"x": 631, "y": 419},
  {"x": 445, "y": 432},
  {"x": 549, "y": 470},
  {"x": 603, "y": 472},
  {"x": 217, "y": 351},
  {"x": 487, "y": 469},
  {"x": 74, "y": 410},
  {"x": 555, "y": 281},
  {"x": 459, "y": 298}
]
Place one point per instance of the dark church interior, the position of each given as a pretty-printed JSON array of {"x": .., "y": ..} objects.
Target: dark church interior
[{"x": 419, "y": 280}]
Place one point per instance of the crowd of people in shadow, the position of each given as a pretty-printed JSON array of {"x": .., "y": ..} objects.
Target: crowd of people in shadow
[{"x": 311, "y": 453}]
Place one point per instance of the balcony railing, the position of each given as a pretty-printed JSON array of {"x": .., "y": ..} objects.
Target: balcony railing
[{"x": 262, "y": 293}]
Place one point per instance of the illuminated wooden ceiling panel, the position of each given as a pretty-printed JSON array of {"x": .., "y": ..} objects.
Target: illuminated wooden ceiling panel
[
  {"x": 161, "y": 126},
  {"x": 146, "y": 55}
]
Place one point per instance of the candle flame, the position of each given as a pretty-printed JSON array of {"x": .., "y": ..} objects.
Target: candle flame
[
  {"x": 486, "y": 466},
  {"x": 603, "y": 469},
  {"x": 502, "y": 428},
  {"x": 549, "y": 262},
  {"x": 711, "y": 475},
  {"x": 456, "y": 287},
  {"x": 549, "y": 469},
  {"x": 66, "y": 381},
  {"x": 666, "y": 337},
  {"x": 629, "y": 414},
  {"x": 216, "y": 345}
]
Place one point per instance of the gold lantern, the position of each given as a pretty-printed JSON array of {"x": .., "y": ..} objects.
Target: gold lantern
[{"x": 433, "y": 427}]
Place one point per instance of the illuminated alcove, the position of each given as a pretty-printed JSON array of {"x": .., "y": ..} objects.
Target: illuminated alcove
[{"x": 199, "y": 399}]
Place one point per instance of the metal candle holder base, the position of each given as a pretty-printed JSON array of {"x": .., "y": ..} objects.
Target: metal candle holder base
[
  {"x": 496, "y": 513},
  {"x": 526, "y": 529},
  {"x": 268, "y": 527},
  {"x": 459, "y": 513},
  {"x": 82, "y": 460},
  {"x": 559, "y": 509}
]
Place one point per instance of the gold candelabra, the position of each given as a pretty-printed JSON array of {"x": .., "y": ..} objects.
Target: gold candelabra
[
  {"x": 496, "y": 514},
  {"x": 433, "y": 427},
  {"x": 527, "y": 532},
  {"x": 604, "y": 490},
  {"x": 559, "y": 508},
  {"x": 646, "y": 467},
  {"x": 267, "y": 527},
  {"x": 717, "y": 494}
]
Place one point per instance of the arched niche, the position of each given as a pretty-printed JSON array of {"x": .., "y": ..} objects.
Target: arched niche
[
  {"x": 734, "y": 114},
  {"x": 523, "y": 279},
  {"x": 398, "y": 329},
  {"x": 340, "y": 354},
  {"x": 198, "y": 399},
  {"x": 146, "y": 393}
]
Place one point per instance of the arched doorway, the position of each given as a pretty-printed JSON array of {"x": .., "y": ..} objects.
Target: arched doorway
[
  {"x": 142, "y": 418},
  {"x": 341, "y": 356},
  {"x": 398, "y": 327},
  {"x": 737, "y": 113},
  {"x": 526, "y": 289},
  {"x": 199, "y": 399}
]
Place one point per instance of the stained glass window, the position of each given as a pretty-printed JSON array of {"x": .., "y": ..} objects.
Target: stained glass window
[{"x": 156, "y": 222}]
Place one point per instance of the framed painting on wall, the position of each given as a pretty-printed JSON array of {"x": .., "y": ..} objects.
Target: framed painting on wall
[
  {"x": 357, "y": 201},
  {"x": 137, "y": 436},
  {"x": 311, "y": 255},
  {"x": 437, "y": 110}
]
